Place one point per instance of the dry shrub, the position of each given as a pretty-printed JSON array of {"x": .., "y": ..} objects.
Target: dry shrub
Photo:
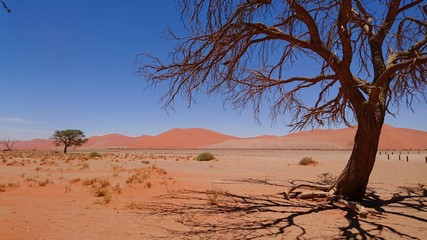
[
  {"x": 117, "y": 188},
  {"x": 8, "y": 185},
  {"x": 94, "y": 155},
  {"x": 206, "y": 156},
  {"x": 44, "y": 183},
  {"x": 306, "y": 161},
  {"x": 101, "y": 188},
  {"x": 326, "y": 178},
  {"x": 97, "y": 182},
  {"x": 105, "y": 194},
  {"x": 143, "y": 174}
]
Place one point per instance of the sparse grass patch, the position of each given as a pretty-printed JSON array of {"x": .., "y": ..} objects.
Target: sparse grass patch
[
  {"x": 68, "y": 188},
  {"x": 105, "y": 193},
  {"x": 13, "y": 185},
  {"x": 138, "y": 177},
  {"x": 83, "y": 165},
  {"x": 117, "y": 188},
  {"x": 101, "y": 188},
  {"x": 44, "y": 183},
  {"x": 8, "y": 185},
  {"x": 97, "y": 182},
  {"x": 14, "y": 163},
  {"x": 214, "y": 196},
  {"x": 30, "y": 179},
  {"x": 205, "y": 156},
  {"x": 308, "y": 161},
  {"x": 135, "y": 205},
  {"x": 326, "y": 178}
]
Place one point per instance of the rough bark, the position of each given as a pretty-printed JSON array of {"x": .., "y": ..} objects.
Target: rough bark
[{"x": 353, "y": 180}]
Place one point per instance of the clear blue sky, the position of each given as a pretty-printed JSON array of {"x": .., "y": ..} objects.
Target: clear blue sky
[{"x": 70, "y": 65}]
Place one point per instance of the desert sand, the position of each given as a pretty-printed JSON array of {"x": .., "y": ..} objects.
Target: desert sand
[{"x": 167, "y": 194}]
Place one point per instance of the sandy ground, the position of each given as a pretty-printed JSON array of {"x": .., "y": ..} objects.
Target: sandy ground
[{"x": 167, "y": 194}]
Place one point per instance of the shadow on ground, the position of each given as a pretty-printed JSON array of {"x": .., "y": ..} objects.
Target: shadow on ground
[{"x": 218, "y": 214}]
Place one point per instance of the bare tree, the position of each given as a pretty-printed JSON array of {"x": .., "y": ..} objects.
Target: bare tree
[
  {"x": 361, "y": 58},
  {"x": 8, "y": 143}
]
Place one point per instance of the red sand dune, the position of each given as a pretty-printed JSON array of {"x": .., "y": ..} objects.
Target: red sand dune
[
  {"x": 391, "y": 138},
  {"x": 109, "y": 141},
  {"x": 181, "y": 138},
  {"x": 34, "y": 144}
]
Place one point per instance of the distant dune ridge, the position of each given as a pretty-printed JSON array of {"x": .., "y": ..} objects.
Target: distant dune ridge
[{"x": 187, "y": 138}]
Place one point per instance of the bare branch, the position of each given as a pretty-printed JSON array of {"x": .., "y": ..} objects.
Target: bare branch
[
  {"x": 8, "y": 143},
  {"x": 392, "y": 12},
  {"x": 244, "y": 50}
]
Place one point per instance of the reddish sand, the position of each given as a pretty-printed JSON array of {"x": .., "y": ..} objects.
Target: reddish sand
[
  {"x": 190, "y": 138},
  {"x": 391, "y": 138},
  {"x": 181, "y": 138},
  {"x": 166, "y": 194}
]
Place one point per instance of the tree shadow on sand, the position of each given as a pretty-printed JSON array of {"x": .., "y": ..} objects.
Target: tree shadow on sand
[{"x": 218, "y": 214}]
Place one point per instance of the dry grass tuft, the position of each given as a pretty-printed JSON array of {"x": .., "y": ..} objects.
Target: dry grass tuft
[
  {"x": 308, "y": 161},
  {"x": 326, "y": 178},
  {"x": 135, "y": 205}
]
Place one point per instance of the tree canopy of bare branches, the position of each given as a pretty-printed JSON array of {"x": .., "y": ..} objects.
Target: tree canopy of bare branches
[
  {"x": 362, "y": 57},
  {"x": 8, "y": 143}
]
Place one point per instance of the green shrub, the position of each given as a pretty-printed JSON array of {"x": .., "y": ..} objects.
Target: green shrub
[
  {"x": 206, "y": 156},
  {"x": 307, "y": 161},
  {"x": 94, "y": 155}
]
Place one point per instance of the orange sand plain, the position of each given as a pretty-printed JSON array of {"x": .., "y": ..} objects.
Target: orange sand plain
[{"x": 167, "y": 194}]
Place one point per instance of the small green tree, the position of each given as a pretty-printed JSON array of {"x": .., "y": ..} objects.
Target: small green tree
[{"x": 69, "y": 137}]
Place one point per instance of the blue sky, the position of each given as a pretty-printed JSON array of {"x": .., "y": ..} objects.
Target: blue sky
[{"x": 70, "y": 65}]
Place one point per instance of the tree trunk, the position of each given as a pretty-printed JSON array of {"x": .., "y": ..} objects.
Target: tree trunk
[
  {"x": 352, "y": 182},
  {"x": 65, "y": 148}
]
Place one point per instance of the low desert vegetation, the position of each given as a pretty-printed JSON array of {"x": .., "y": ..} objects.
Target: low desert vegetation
[
  {"x": 83, "y": 165},
  {"x": 214, "y": 196},
  {"x": 97, "y": 182},
  {"x": 117, "y": 188},
  {"x": 308, "y": 161},
  {"x": 326, "y": 178},
  {"x": 44, "y": 183},
  {"x": 94, "y": 155},
  {"x": 4, "y": 186},
  {"x": 135, "y": 205},
  {"x": 101, "y": 188},
  {"x": 205, "y": 156},
  {"x": 105, "y": 194}
]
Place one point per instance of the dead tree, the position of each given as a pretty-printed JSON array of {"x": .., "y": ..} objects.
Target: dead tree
[
  {"x": 8, "y": 143},
  {"x": 361, "y": 58}
]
